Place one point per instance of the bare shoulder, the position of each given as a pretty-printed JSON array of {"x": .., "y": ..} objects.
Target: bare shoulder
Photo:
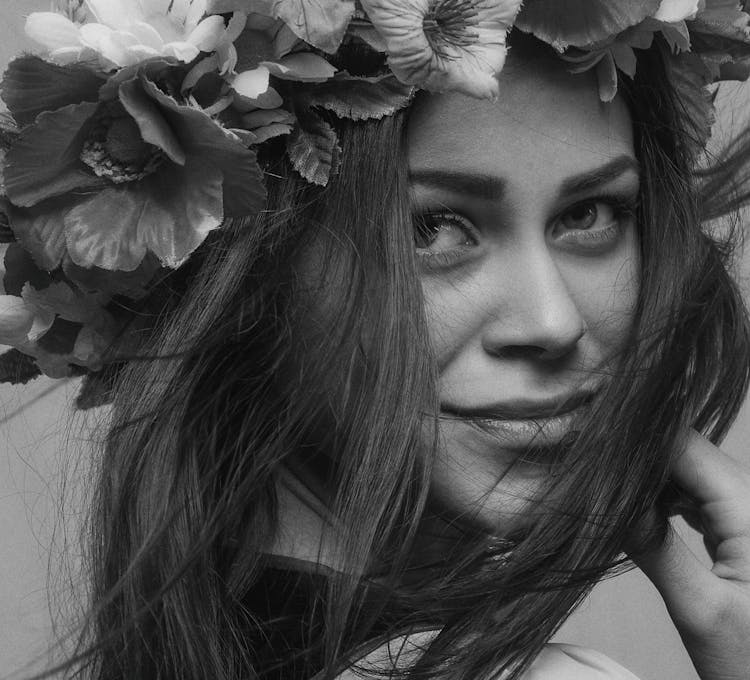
[{"x": 556, "y": 662}]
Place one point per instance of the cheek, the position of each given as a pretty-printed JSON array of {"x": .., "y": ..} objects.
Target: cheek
[
  {"x": 452, "y": 316},
  {"x": 606, "y": 294}
]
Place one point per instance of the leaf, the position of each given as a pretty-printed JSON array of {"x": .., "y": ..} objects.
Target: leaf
[
  {"x": 362, "y": 98},
  {"x": 17, "y": 368},
  {"x": 265, "y": 124},
  {"x": 8, "y": 131},
  {"x": 44, "y": 160},
  {"x": 677, "y": 36},
  {"x": 581, "y": 23},
  {"x": 31, "y": 86},
  {"x": 624, "y": 58},
  {"x": 314, "y": 150}
]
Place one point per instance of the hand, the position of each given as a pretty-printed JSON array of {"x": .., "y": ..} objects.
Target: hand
[{"x": 710, "y": 606}]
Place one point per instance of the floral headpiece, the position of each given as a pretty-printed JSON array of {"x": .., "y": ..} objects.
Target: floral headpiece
[{"x": 136, "y": 134}]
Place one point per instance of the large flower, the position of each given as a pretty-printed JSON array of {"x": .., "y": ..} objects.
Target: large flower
[
  {"x": 445, "y": 44},
  {"x": 126, "y": 32},
  {"x": 121, "y": 170}
]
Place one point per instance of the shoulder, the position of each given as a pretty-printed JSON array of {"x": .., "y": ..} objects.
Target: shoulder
[
  {"x": 571, "y": 662},
  {"x": 556, "y": 661}
]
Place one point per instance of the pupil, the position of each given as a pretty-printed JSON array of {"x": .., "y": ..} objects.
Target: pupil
[
  {"x": 582, "y": 216},
  {"x": 425, "y": 232}
]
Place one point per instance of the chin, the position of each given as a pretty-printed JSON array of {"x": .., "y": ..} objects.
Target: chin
[{"x": 477, "y": 480}]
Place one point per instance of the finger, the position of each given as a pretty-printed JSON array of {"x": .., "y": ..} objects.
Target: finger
[
  {"x": 682, "y": 579},
  {"x": 721, "y": 488},
  {"x": 708, "y": 474}
]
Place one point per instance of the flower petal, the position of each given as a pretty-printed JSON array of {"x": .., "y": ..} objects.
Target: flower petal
[
  {"x": 52, "y": 30},
  {"x": 170, "y": 215},
  {"x": 195, "y": 12},
  {"x": 672, "y": 11},
  {"x": 153, "y": 126},
  {"x": 203, "y": 138},
  {"x": 146, "y": 34},
  {"x": 40, "y": 231},
  {"x": 44, "y": 160},
  {"x": 21, "y": 269},
  {"x": 467, "y": 63},
  {"x": 321, "y": 23},
  {"x": 580, "y": 23},
  {"x": 305, "y": 67},
  {"x": 194, "y": 200},
  {"x": 60, "y": 299},
  {"x": 16, "y": 320},
  {"x": 68, "y": 56},
  {"x": 252, "y": 84},
  {"x": 207, "y": 34},
  {"x": 184, "y": 51},
  {"x": 103, "y": 230},
  {"x": 133, "y": 284},
  {"x": 115, "y": 13},
  {"x": 31, "y": 86}
]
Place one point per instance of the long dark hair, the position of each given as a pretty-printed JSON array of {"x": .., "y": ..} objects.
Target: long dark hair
[{"x": 233, "y": 390}]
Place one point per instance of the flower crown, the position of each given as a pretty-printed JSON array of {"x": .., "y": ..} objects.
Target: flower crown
[{"x": 137, "y": 133}]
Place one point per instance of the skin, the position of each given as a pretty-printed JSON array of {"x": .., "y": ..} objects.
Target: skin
[
  {"x": 525, "y": 308},
  {"x": 521, "y": 308},
  {"x": 529, "y": 281}
]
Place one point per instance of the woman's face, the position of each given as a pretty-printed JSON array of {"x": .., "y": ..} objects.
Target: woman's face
[{"x": 528, "y": 254}]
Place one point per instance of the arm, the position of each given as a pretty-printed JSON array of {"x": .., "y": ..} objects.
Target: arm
[{"x": 710, "y": 606}]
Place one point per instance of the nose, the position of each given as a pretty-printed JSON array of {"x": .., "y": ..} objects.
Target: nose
[{"x": 533, "y": 313}]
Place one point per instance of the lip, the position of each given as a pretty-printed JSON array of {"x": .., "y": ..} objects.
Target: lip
[
  {"x": 524, "y": 409},
  {"x": 525, "y": 423}
]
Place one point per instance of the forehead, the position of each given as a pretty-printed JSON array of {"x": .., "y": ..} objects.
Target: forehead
[{"x": 546, "y": 122}]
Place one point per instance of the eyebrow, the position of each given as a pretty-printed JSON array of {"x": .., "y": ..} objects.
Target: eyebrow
[{"x": 491, "y": 188}]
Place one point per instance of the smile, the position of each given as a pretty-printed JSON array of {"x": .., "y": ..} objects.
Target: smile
[{"x": 524, "y": 424}]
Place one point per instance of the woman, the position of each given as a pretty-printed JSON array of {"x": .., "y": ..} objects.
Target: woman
[{"x": 404, "y": 422}]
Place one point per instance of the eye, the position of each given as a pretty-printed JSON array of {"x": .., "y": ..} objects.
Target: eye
[
  {"x": 595, "y": 224},
  {"x": 442, "y": 234},
  {"x": 585, "y": 215}
]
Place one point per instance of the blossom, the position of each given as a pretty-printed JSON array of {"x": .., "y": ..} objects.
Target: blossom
[
  {"x": 128, "y": 171},
  {"x": 672, "y": 11},
  {"x": 445, "y": 44},
  {"x": 320, "y": 23},
  {"x": 125, "y": 32},
  {"x": 254, "y": 48}
]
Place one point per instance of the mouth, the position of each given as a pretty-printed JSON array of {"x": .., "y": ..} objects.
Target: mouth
[{"x": 525, "y": 423}]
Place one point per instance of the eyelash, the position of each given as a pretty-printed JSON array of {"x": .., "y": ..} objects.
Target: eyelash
[
  {"x": 444, "y": 258},
  {"x": 623, "y": 208}
]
